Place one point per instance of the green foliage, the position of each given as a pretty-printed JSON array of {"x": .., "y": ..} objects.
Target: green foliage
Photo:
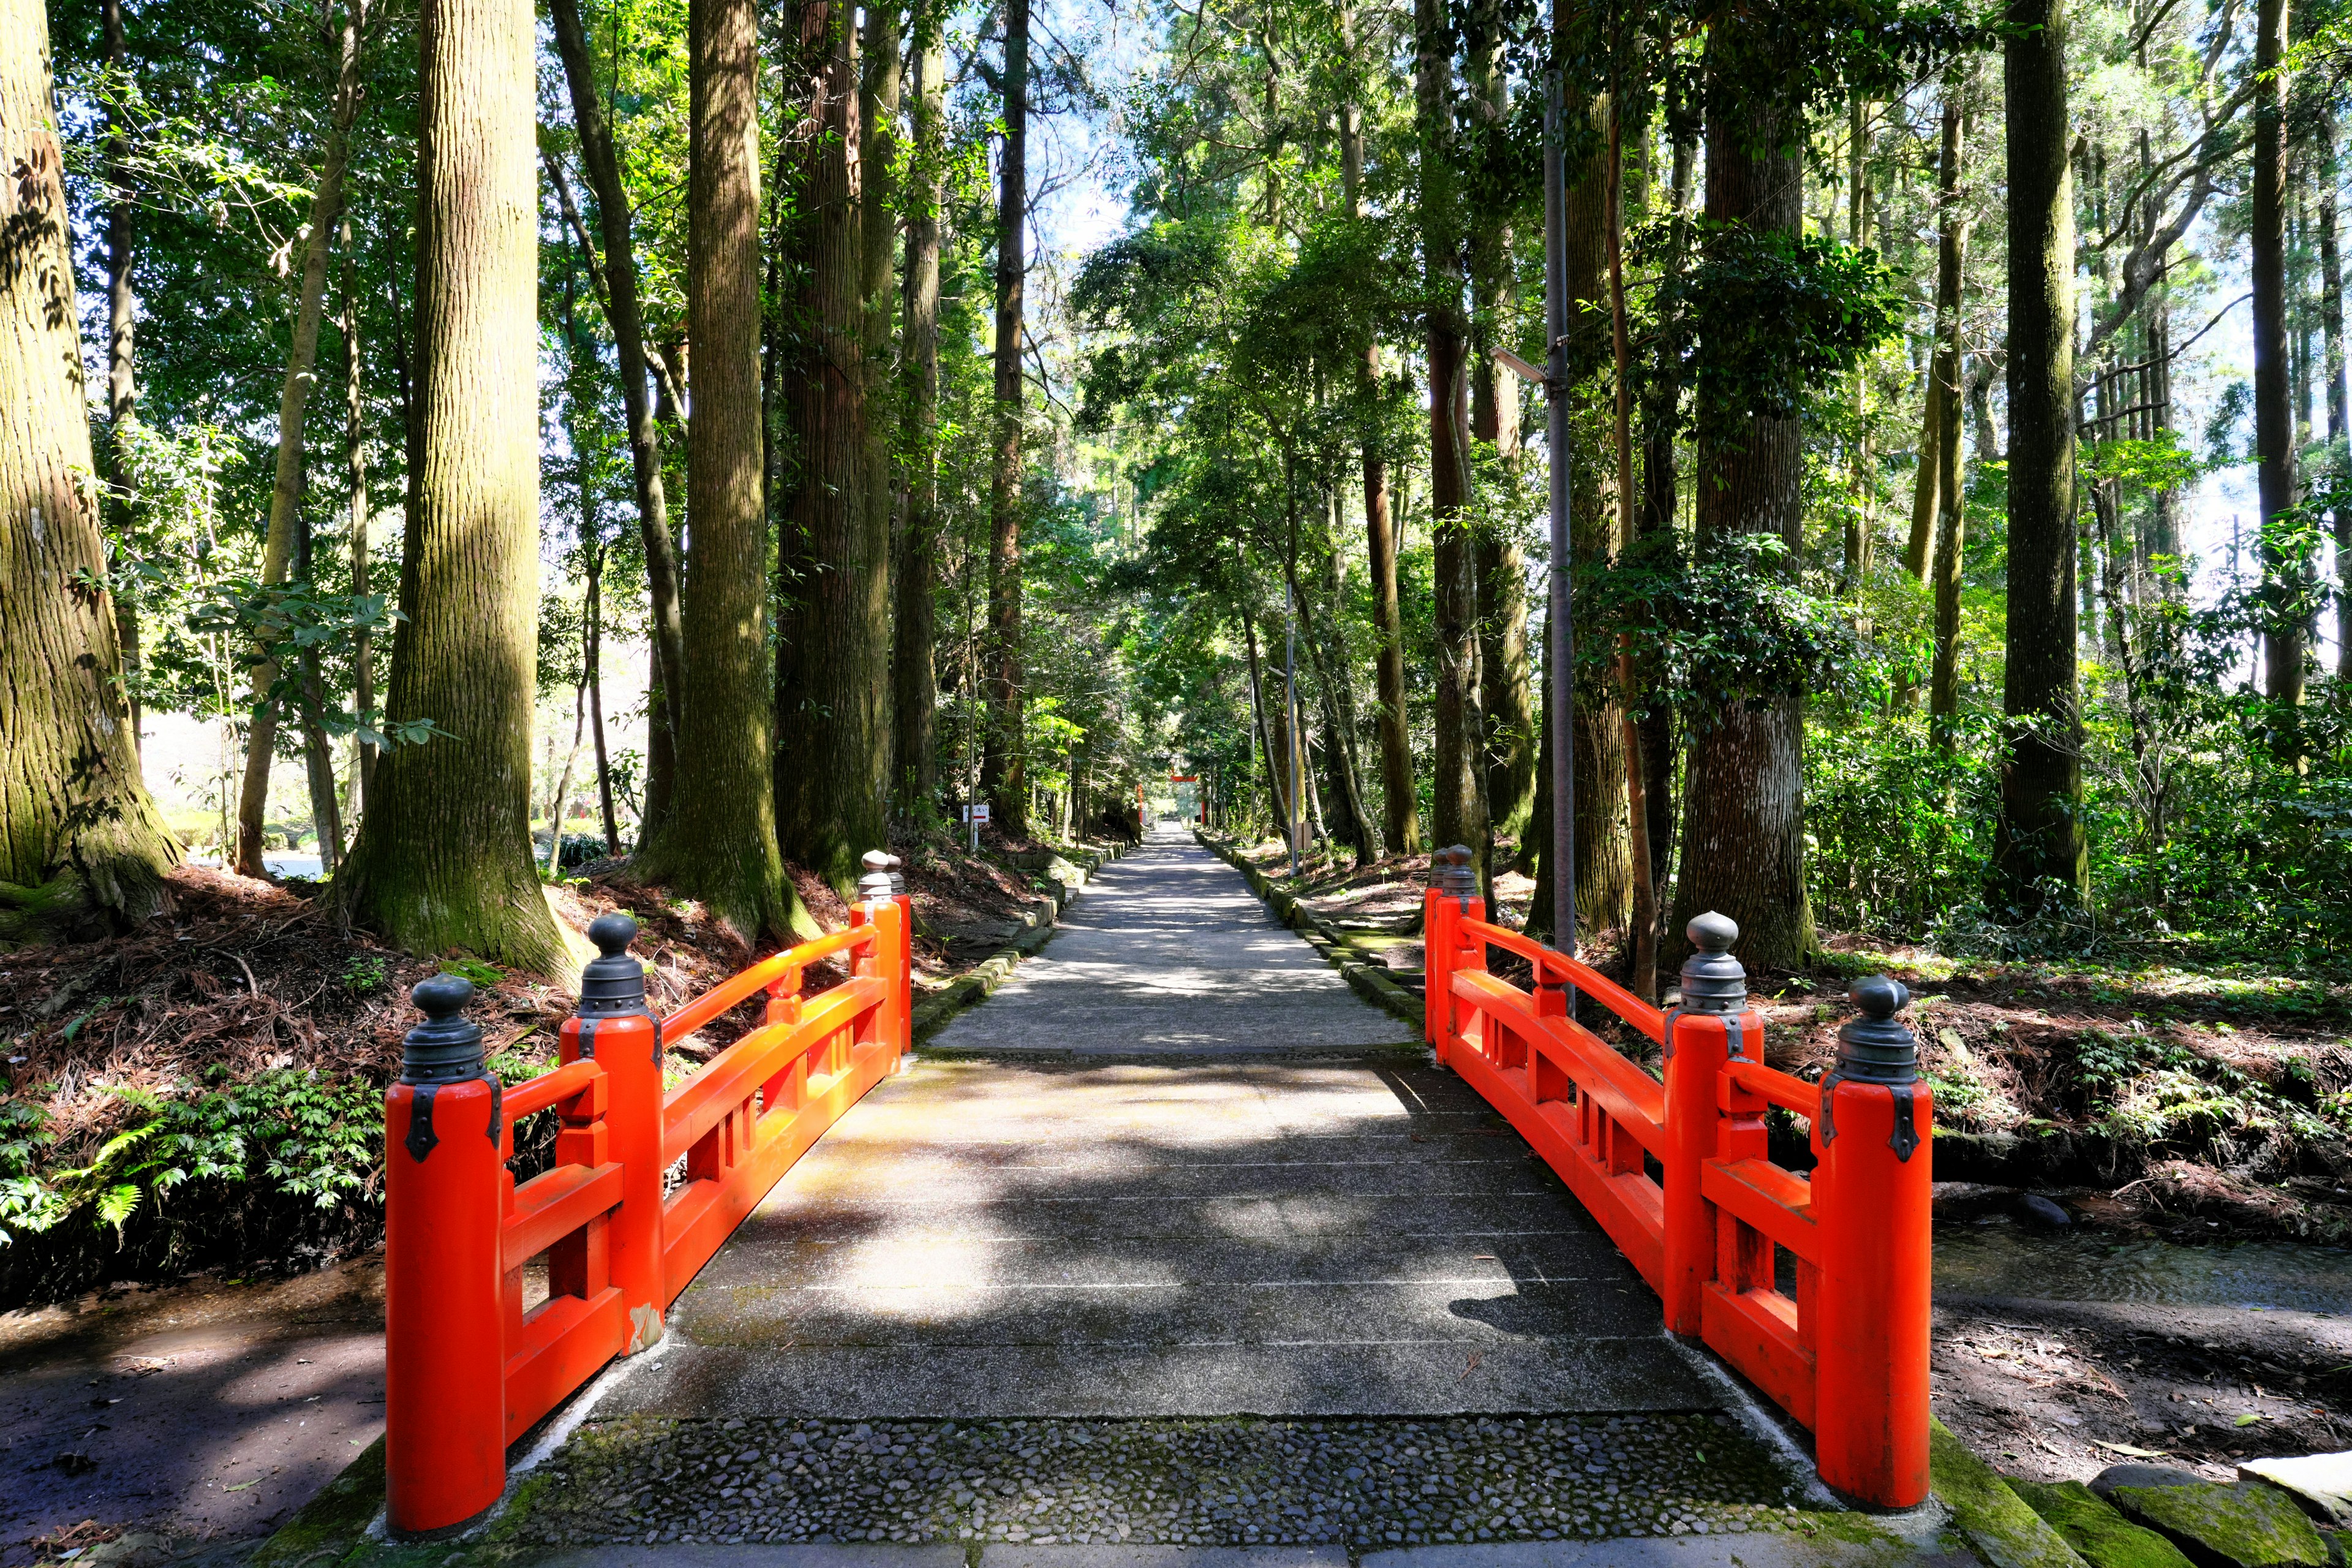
[
  {"x": 288, "y": 1130},
  {"x": 364, "y": 977},
  {"x": 1778, "y": 317}
]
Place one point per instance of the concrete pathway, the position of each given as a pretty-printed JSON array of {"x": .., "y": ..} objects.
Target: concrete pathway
[
  {"x": 1170, "y": 954},
  {"x": 1000, "y": 1240}
]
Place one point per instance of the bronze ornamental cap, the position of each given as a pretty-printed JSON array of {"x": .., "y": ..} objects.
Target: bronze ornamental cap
[
  {"x": 1714, "y": 981},
  {"x": 448, "y": 1047}
]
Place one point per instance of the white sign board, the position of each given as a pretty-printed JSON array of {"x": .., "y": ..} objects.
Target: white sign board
[{"x": 977, "y": 812}]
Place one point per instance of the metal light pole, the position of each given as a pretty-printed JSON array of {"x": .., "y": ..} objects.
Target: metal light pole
[{"x": 1560, "y": 653}]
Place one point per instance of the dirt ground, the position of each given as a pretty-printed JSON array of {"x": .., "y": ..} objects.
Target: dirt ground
[
  {"x": 2060, "y": 1389},
  {"x": 205, "y": 1411}
]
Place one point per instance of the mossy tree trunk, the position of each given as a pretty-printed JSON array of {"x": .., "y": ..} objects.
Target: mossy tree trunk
[
  {"x": 1743, "y": 813},
  {"x": 2038, "y": 845},
  {"x": 1002, "y": 775},
  {"x": 719, "y": 842},
  {"x": 82, "y": 848},
  {"x": 443, "y": 857},
  {"x": 914, "y": 684}
]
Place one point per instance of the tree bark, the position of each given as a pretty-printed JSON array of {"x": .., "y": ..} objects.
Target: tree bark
[
  {"x": 443, "y": 858},
  {"x": 1605, "y": 857},
  {"x": 1274, "y": 774},
  {"x": 2284, "y": 567},
  {"x": 2331, "y": 322},
  {"x": 358, "y": 519},
  {"x": 1643, "y": 911},
  {"x": 82, "y": 848},
  {"x": 1951, "y": 525},
  {"x": 293, "y": 400},
  {"x": 2038, "y": 842},
  {"x": 1401, "y": 811},
  {"x": 121, "y": 366},
  {"x": 1743, "y": 819},
  {"x": 914, "y": 682},
  {"x": 724, "y": 852},
  {"x": 832, "y": 776},
  {"x": 878, "y": 206},
  {"x": 594, "y": 612},
  {"x": 1003, "y": 774},
  {"x": 601, "y": 159},
  {"x": 1506, "y": 705},
  {"x": 1455, "y": 799}
]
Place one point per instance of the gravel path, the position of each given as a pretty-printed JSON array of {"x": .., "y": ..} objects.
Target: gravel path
[{"x": 1365, "y": 1484}]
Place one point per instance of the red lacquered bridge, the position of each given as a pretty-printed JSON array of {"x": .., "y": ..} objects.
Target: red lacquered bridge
[{"x": 1813, "y": 1285}]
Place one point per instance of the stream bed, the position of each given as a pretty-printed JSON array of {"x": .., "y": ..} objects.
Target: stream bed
[{"x": 1998, "y": 1257}]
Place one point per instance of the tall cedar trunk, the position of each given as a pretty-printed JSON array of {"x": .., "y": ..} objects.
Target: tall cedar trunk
[
  {"x": 121, "y": 364},
  {"x": 2331, "y": 321},
  {"x": 1862, "y": 516},
  {"x": 443, "y": 857},
  {"x": 1743, "y": 818},
  {"x": 317, "y": 755},
  {"x": 1506, "y": 705},
  {"x": 913, "y": 683},
  {"x": 878, "y": 205},
  {"x": 1259, "y": 707},
  {"x": 82, "y": 848},
  {"x": 2284, "y": 567},
  {"x": 1455, "y": 796},
  {"x": 1643, "y": 902},
  {"x": 1604, "y": 854},
  {"x": 1401, "y": 813},
  {"x": 625, "y": 315},
  {"x": 2038, "y": 843},
  {"x": 1951, "y": 519},
  {"x": 1342, "y": 665},
  {"x": 724, "y": 852},
  {"x": 594, "y": 613},
  {"x": 1002, "y": 775},
  {"x": 293, "y": 399},
  {"x": 832, "y": 775},
  {"x": 355, "y": 472},
  {"x": 1351, "y": 820},
  {"x": 1654, "y": 533}
]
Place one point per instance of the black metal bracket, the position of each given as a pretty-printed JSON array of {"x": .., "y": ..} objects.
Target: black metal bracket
[
  {"x": 587, "y": 1040},
  {"x": 498, "y": 1098},
  {"x": 421, "y": 1137},
  {"x": 1734, "y": 1036},
  {"x": 1905, "y": 1139},
  {"x": 1829, "y": 1115}
]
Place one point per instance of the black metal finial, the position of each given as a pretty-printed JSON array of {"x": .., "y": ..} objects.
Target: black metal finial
[
  {"x": 1714, "y": 981},
  {"x": 448, "y": 1047},
  {"x": 614, "y": 984},
  {"x": 1878, "y": 1047},
  {"x": 1450, "y": 872}
]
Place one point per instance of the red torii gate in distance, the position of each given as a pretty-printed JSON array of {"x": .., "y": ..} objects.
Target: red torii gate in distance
[{"x": 1142, "y": 809}]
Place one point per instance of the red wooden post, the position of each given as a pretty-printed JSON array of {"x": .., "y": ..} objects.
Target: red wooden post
[
  {"x": 1873, "y": 1192},
  {"x": 444, "y": 1355},
  {"x": 1713, "y": 1025},
  {"x": 615, "y": 1029},
  {"x": 1452, "y": 898}
]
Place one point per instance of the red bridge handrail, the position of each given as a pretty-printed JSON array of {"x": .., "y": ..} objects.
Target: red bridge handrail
[
  {"x": 1679, "y": 1172},
  {"x": 470, "y": 1369},
  {"x": 1582, "y": 976},
  {"x": 780, "y": 969}
]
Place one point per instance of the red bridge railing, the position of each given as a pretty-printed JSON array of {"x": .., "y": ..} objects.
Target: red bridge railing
[
  {"x": 467, "y": 1368},
  {"x": 1679, "y": 1176}
]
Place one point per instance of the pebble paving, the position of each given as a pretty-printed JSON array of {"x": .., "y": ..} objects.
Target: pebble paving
[{"x": 1227, "y": 1482}]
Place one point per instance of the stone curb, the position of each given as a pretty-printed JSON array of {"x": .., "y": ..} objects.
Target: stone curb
[
  {"x": 1370, "y": 981},
  {"x": 979, "y": 981}
]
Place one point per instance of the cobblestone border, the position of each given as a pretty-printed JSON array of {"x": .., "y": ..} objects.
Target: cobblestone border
[{"x": 1370, "y": 981}]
